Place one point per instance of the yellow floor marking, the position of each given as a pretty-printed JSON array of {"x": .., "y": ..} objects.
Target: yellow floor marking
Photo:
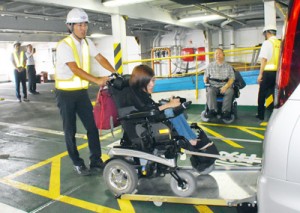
[
  {"x": 230, "y": 142},
  {"x": 124, "y": 206},
  {"x": 54, "y": 185},
  {"x": 264, "y": 123},
  {"x": 251, "y": 132},
  {"x": 54, "y": 182},
  {"x": 203, "y": 209},
  {"x": 230, "y": 126}
]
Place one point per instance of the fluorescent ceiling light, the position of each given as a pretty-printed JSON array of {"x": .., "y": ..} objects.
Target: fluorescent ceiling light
[
  {"x": 202, "y": 18},
  {"x": 116, "y": 3},
  {"x": 97, "y": 35}
]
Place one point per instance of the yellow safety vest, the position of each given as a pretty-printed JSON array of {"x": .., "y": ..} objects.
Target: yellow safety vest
[
  {"x": 75, "y": 83},
  {"x": 19, "y": 60},
  {"x": 272, "y": 64}
]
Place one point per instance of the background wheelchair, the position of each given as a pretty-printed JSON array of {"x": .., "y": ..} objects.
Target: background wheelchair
[
  {"x": 238, "y": 84},
  {"x": 149, "y": 147},
  {"x": 233, "y": 112}
]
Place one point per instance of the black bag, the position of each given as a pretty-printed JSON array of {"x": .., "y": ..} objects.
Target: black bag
[
  {"x": 239, "y": 81},
  {"x": 201, "y": 163}
]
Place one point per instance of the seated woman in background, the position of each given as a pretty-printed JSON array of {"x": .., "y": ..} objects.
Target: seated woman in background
[{"x": 142, "y": 81}]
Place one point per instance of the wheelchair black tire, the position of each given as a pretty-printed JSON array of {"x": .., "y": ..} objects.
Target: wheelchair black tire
[
  {"x": 203, "y": 118},
  {"x": 191, "y": 184},
  {"x": 125, "y": 171}
]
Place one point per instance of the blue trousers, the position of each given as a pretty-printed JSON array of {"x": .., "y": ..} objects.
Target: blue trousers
[{"x": 182, "y": 127}]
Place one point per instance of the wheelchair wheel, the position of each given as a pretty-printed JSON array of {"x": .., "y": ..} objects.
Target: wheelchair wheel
[
  {"x": 203, "y": 118},
  {"x": 189, "y": 185},
  {"x": 230, "y": 120},
  {"x": 120, "y": 177}
]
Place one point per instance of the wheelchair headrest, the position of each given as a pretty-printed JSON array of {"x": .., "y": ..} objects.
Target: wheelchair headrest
[{"x": 119, "y": 81}]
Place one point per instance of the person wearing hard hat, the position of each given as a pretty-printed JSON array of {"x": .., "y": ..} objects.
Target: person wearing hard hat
[
  {"x": 269, "y": 55},
  {"x": 18, "y": 60},
  {"x": 72, "y": 77}
]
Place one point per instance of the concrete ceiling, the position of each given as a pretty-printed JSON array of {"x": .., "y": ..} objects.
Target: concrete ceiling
[{"x": 38, "y": 20}]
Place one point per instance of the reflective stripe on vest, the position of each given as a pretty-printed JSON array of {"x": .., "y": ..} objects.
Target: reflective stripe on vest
[
  {"x": 19, "y": 60},
  {"x": 76, "y": 83},
  {"x": 272, "y": 64}
]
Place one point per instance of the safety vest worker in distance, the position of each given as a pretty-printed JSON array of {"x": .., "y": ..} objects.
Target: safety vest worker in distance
[
  {"x": 272, "y": 64},
  {"x": 75, "y": 83},
  {"x": 19, "y": 60}
]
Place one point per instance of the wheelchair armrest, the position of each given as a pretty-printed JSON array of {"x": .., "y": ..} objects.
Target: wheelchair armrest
[{"x": 136, "y": 115}]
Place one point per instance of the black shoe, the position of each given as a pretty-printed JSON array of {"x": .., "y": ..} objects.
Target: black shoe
[
  {"x": 82, "y": 170},
  {"x": 25, "y": 99},
  {"x": 210, "y": 114},
  {"x": 97, "y": 167},
  {"x": 226, "y": 115},
  {"x": 259, "y": 117},
  {"x": 36, "y": 93}
]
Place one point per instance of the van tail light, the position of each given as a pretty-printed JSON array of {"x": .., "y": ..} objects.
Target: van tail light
[{"x": 288, "y": 76}]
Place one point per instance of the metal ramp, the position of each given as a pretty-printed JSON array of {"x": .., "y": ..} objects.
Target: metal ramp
[{"x": 223, "y": 187}]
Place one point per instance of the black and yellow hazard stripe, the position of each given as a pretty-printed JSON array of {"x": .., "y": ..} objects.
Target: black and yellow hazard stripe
[
  {"x": 118, "y": 57},
  {"x": 269, "y": 101}
]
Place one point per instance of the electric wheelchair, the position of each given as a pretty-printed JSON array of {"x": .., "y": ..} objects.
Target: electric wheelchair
[
  {"x": 150, "y": 147},
  {"x": 238, "y": 84}
]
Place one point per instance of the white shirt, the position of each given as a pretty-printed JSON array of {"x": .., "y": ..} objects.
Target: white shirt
[
  {"x": 266, "y": 50},
  {"x": 30, "y": 59},
  {"x": 64, "y": 54}
]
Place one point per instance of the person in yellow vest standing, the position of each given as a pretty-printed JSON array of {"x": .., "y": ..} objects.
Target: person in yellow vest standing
[
  {"x": 266, "y": 79},
  {"x": 72, "y": 79},
  {"x": 18, "y": 60}
]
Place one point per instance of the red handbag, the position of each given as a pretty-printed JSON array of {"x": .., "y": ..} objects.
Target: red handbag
[{"x": 105, "y": 111}]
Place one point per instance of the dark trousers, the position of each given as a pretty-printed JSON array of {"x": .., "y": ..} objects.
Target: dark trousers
[
  {"x": 70, "y": 104},
  {"x": 266, "y": 88},
  {"x": 31, "y": 78},
  {"x": 20, "y": 77}
]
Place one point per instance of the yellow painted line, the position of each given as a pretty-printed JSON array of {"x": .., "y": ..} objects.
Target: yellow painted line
[
  {"x": 269, "y": 101},
  {"x": 174, "y": 199},
  {"x": 203, "y": 209},
  {"x": 54, "y": 185},
  {"x": 124, "y": 206},
  {"x": 54, "y": 182},
  {"x": 230, "y": 142},
  {"x": 251, "y": 132},
  {"x": 264, "y": 123},
  {"x": 230, "y": 126}
]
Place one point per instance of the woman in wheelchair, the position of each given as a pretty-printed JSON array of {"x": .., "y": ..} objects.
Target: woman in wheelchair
[{"x": 142, "y": 81}]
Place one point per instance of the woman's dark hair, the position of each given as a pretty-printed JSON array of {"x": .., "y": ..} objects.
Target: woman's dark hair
[{"x": 141, "y": 76}]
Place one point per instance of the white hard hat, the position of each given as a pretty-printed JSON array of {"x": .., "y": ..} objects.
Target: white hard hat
[
  {"x": 269, "y": 27},
  {"x": 77, "y": 15},
  {"x": 16, "y": 42}
]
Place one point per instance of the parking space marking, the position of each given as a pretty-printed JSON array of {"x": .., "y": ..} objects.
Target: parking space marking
[
  {"x": 203, "y": 209},
  {"x": 53, "y": 191},
  {"x": 230, "y": 142},
  {"x": 54, "y": 183},
  {"x": 244, "y": 129}
]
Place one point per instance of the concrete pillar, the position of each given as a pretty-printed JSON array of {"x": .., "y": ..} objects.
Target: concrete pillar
[
  {"x": 120, "y": 43},
  {"x": 270, "y": 13}
]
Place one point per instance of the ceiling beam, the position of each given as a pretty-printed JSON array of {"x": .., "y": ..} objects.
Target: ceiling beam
[{"x": 148, "y": 13}]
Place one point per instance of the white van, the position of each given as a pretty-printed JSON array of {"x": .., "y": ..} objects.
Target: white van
[{"x": 279, "y": 183}]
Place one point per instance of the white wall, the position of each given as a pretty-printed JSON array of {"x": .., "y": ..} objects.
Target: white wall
[{"x": 105, "y": 46}]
